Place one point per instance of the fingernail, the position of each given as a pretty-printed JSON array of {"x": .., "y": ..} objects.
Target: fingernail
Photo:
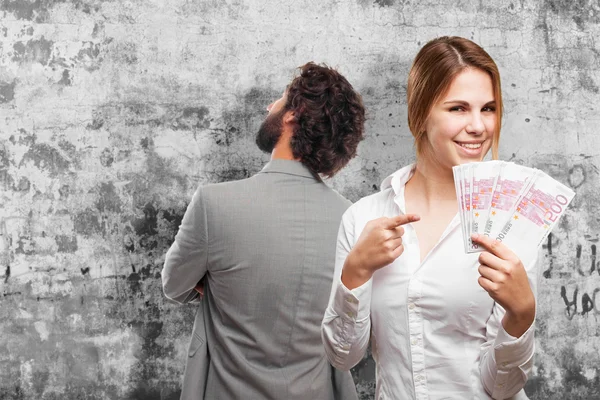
[{"x": 475, "y": 236}]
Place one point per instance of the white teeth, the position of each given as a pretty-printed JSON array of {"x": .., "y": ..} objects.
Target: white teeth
[{"x": 470, "y": 145}]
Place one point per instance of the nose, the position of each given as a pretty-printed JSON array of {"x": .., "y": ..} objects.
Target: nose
[
  {"x": 476, "y": 126},
  {"x": 270, "y": 106}
]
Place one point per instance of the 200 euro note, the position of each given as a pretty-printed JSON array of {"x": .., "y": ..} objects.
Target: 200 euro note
[
  {"x": 537, "y": 211},
  {"x": 458, "y": 186},
  {"x": 512, "y": 182},
  {"x": 467, "y": 188},
  {"x": 484, "y": 179}
]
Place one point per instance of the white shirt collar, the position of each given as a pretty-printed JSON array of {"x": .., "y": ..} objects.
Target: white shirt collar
[{"x": 398, "y": 179}]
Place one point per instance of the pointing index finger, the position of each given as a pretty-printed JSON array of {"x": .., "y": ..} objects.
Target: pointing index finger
[{"x": 402, "y": 219}]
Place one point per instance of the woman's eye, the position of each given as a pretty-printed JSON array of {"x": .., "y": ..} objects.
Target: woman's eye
[
  {"x": 489, "y": 109},
  {"x": 457, "y": 108}
]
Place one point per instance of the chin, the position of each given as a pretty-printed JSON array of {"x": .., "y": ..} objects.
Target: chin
[{"x": 462, "y": 159}]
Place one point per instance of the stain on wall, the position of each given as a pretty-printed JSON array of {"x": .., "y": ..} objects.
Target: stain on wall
[{"x": 112, "y": 113}]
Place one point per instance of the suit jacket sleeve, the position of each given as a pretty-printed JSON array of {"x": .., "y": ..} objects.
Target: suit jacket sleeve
[{"x": 186, "y": 261}]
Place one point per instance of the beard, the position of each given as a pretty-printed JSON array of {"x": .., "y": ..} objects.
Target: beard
[{"x": 270, "y": 131}]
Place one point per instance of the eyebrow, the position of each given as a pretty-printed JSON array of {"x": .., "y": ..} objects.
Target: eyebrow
[{"x": 464, "y": 103}]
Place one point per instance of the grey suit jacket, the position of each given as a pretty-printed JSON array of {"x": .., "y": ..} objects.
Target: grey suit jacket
[{"x": 267, "y": 247}]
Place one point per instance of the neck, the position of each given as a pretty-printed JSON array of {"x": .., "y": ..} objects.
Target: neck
[
  {"x": 283, "y": 148},
  {"x": 434, "y": 182},
  {"x": 282, "y": 153}
]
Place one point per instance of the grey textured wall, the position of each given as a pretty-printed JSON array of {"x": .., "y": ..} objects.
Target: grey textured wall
[{"x": 112, "y": 112}]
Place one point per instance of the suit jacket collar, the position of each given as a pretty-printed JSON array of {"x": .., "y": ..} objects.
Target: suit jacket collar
[{"x": 290, "y": 167}]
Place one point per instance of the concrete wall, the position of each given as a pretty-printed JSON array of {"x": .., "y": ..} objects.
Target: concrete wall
[{"x": 112, "y": 112}]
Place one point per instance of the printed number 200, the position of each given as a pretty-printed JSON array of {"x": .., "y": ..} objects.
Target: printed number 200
[{"x": 555, "y": 208}]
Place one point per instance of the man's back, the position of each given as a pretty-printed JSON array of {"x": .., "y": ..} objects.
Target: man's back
[
  {"x": 271, "y": 250},
  {"x": 265, "y": 247}
]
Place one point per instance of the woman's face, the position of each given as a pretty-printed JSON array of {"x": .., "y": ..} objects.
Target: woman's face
[{"x": 461, "y": 124}]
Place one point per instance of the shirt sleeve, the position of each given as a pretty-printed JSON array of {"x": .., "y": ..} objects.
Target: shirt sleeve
[
  {"x": 347, "y": 322},
  {"x": 187, "y": 259},
  {"x": 506, "y": 361}
]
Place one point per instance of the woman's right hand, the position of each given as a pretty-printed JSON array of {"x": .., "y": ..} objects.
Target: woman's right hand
[{"x": 378, "y": 245}]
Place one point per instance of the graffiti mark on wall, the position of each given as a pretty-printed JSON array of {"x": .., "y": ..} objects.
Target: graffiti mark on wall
[
  {"x": 584, "y": 270},
  {"x": 585, "y": 261},
  {"x": 577, "y": 302}
]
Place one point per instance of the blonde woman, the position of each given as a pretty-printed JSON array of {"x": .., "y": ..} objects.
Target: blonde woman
[{"x": 443, "y": 324}]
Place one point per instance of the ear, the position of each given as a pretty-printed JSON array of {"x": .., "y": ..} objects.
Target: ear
[{"x": 289, "y": 117}]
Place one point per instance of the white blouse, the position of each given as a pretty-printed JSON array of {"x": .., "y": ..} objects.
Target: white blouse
[{"x": 435, "y": 333}]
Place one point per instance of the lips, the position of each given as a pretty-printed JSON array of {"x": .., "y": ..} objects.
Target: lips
[{"x": 472, "y": 146}]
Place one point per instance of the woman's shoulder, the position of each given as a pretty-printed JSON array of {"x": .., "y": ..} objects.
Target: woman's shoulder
[
  {"x": 371, "y": 206},
  {"x": 380, "y": 203},
  {"x": 375, "y": 199}
]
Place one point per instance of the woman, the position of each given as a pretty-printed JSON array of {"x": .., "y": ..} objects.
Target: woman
[{"x": 442, "y": 323}]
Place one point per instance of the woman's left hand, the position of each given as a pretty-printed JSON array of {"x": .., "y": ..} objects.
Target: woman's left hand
[{"x": 505, "y": 279}]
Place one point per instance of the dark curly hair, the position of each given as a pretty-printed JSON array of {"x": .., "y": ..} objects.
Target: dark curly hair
[{"x": 330, "y": 119}]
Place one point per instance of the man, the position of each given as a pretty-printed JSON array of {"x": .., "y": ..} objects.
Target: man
[{"x": 264, "y": 248}]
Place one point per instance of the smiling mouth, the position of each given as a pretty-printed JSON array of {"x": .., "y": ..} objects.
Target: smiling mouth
[{"x": 469, "y": 145}]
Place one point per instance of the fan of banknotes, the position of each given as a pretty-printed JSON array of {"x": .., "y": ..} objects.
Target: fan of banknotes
[{"x": 508, "y": 202}]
